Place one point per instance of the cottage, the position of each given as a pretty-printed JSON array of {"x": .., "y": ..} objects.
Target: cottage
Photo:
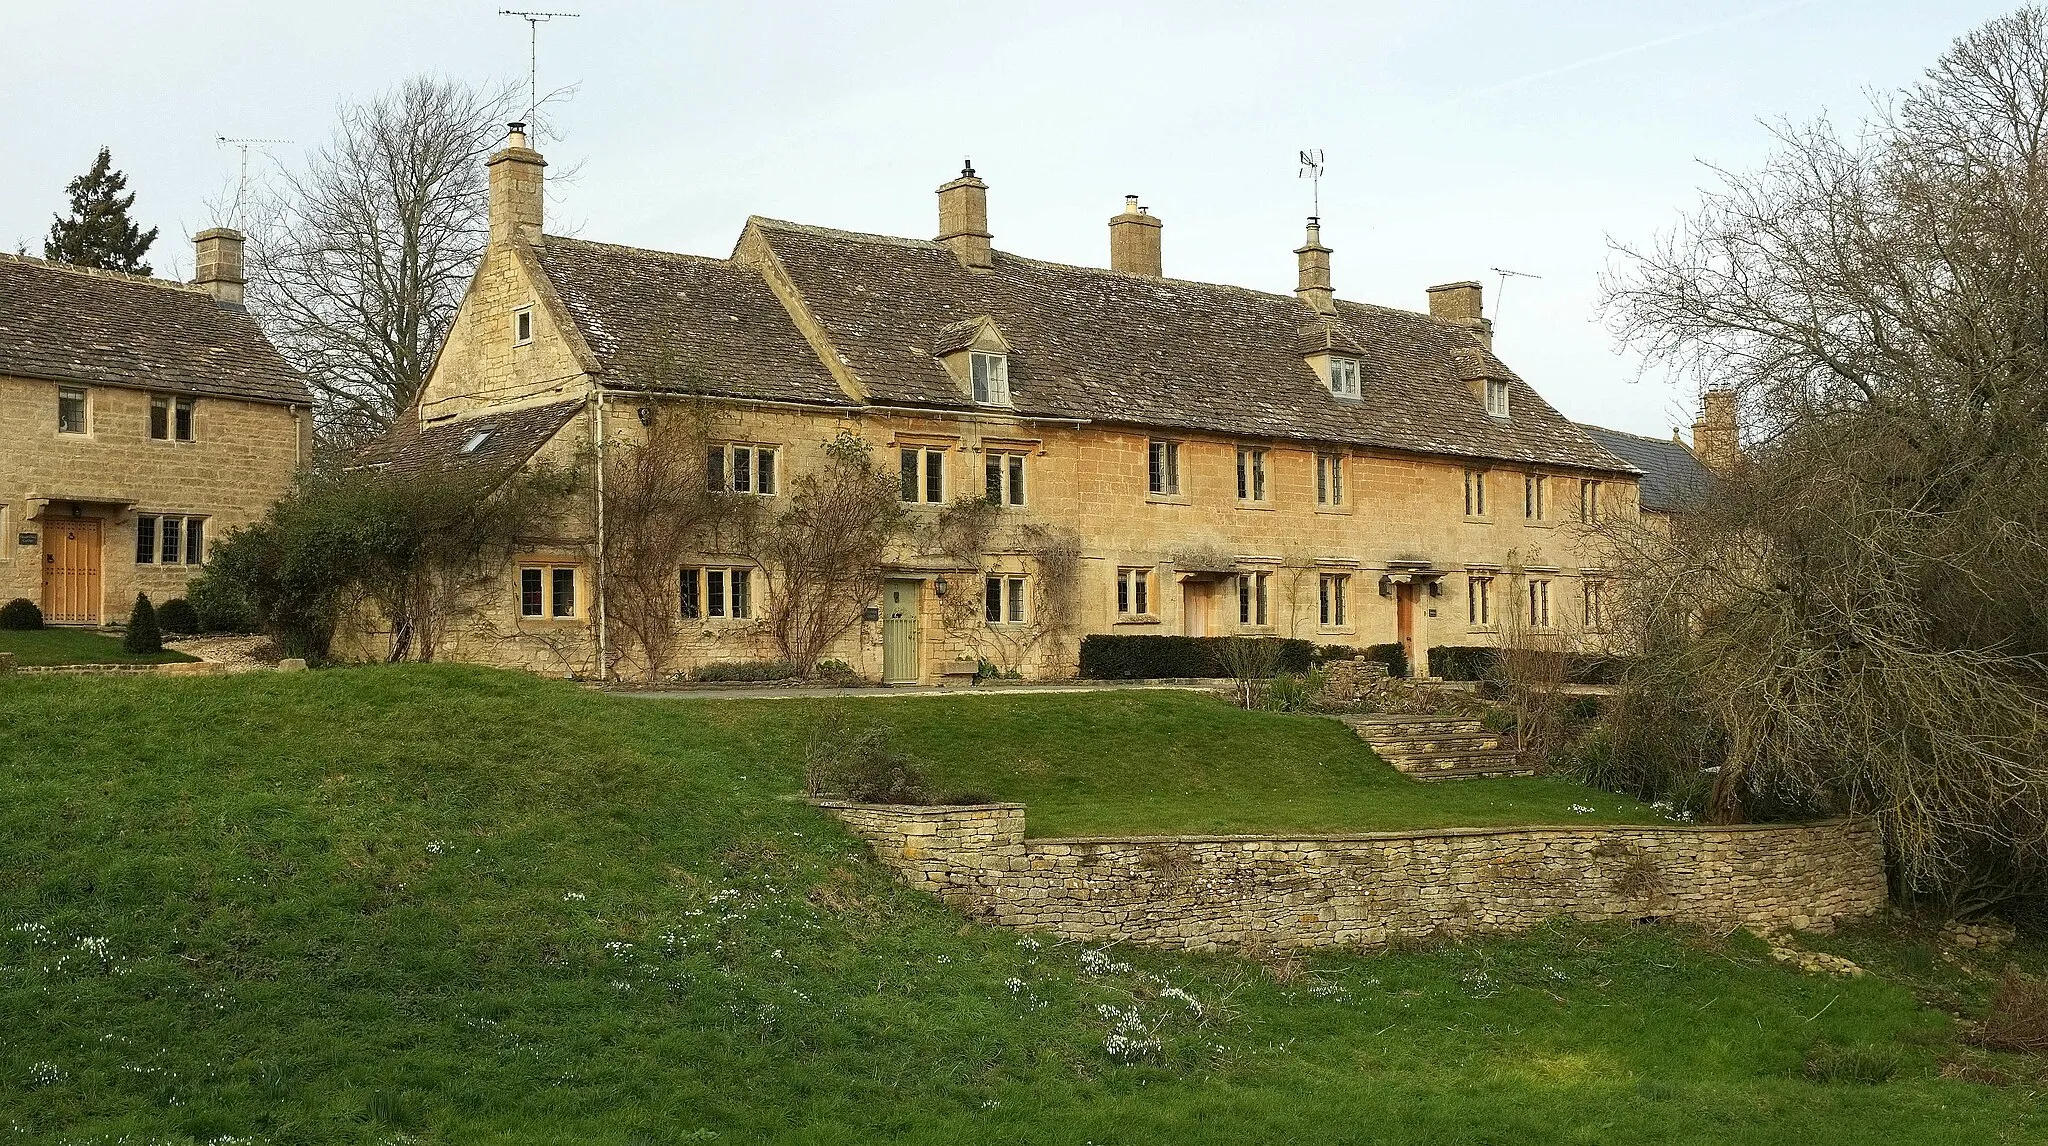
[
  {"x": 141, "y": 419},
  {"x": 1164, "y": 456}
]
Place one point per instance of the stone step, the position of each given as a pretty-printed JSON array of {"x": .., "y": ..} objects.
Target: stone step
[
  {"x": 1439, "y": 761},
  {"x": 1470, "y": 774},
  {"x": 1473, "y": 743},
  {"x": 1377, "y": 728}
]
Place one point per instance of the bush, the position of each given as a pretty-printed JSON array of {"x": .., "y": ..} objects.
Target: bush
[
  {"x": 725, "y": 671},
  {"x": 1161, "y": 657},
  {"x": 177, "y": 616},
  {"x": 836, "y": 672},
  {"x": 860, "y": 765},
  {"x": 143, "y": 635},
  {"x": 21, "y": 614},
  {"x": 219, "y": 606},
  {"x": 2017, "y": 1020},
  {"x": 1290, "y": 693},
  {"x": 1482, "y": 662}
]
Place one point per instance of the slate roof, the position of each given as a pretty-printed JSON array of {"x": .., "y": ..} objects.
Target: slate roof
[
  {"x": 513, "y": 437},
  {"x": 683, "y": 322},
  {"x": 105, "y": 329},
  {"x": 1672, "y": 477}
]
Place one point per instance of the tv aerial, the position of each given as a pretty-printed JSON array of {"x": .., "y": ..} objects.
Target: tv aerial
[
  {"x": 533, "y": 22},
  {"x": 1501, "y": 291},
  {"x": 242, "y": 179},
  {"x": 1312, "y": 168}
]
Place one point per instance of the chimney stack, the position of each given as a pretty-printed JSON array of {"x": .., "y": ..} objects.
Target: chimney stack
[
  {"x": 218, "y": 264},
  {"x": 515, "y": 190},
  {"x": 963, "y": 220},
  {"x": 1134, "y": 240},
  {"x": 1462, "y": 304},
  {"x": 1716, "y": 437},
  {"x": 1312, "y": 281}
]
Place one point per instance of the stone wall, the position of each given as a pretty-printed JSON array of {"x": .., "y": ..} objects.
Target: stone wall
[{"x": 1205, "y": 892}]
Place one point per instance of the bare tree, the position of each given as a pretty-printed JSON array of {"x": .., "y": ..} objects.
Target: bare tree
[
  {"x": 1860, "y": 615},
  {"x": 359, "y": 259}
]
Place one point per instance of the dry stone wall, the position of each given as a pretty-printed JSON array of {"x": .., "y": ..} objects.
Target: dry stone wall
[{"x": 1204, "y": 892}]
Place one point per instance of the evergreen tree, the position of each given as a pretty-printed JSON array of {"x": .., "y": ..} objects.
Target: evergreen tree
[
  {"x": 99, "y": 233},
  {"x": 143, "y": 636}
]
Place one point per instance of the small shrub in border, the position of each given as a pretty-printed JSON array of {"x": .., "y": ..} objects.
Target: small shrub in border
[
  {"x": 142, "y": 636},
  {"x": 744, "y": 671},
  {"x": 861, "y": 765},
  {"x": 1105, "y": 657},
  {"x": 177, "y": 616},
  {"x": 21, "y": 615},
  {"x": 2017, "y": 1019}
]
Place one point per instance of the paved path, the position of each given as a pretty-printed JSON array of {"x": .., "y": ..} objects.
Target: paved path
[{"x": 804, "y": 693}]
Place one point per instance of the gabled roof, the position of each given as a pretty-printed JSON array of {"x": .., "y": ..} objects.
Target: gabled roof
[
  {"x": 69, "y": 324},
  {"x": 510, "y": 439},
  {"x": 1673, "y": 479},
  {"x": 665, "y": 321},
  {"x": 1110, "y": 346}
]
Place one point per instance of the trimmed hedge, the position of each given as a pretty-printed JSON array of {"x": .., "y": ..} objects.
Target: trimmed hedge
[
  {"x": 21, "y": 614},
  {"x": 177, "y": 616},
  {"x": 1107, "y": 657},
  {"x": 1477, "y": 662}
]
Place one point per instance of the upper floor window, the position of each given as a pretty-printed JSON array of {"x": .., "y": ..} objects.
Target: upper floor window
[
  {"x": 1329, "y": 479},
  {"x": 1479, "y": 600},
  {"x": 1475, "y": 493},
  {"x": 1589, "y": 501},
  {"x": 1251, "y": 474},
  {"x": 1252, "y": 594},
  {"x": 1497, "y": 397},
  {"x": 1005, "y": 478},
  {"x": 740, "y": 469},
  {"x": 548, "y": 591},
  {"x": 71, "y": 410},
  {"x": 924, "y": 475},
  {"x": 522, "y": 326},
  {"x": 170, "y": 418},
  {"x": 1134, "y": 592},
  {"x": 162, "y": 539},
  {"x": 1344, "y": 377},
  {"x": 991, "y": 374},
  {"x": 1162, "y": 467},
  {"x": 1002, "y": 601},
  {"x": 1532, "y": 497}
]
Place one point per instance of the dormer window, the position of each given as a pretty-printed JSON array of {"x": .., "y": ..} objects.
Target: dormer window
[
  {"x": 1343, "y": 377},
  {"x": 1496, "y": 398},
  {"x": 991, "y": 374}
]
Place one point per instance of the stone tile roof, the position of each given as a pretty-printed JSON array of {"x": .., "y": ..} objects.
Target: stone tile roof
[
  {"x": 512, "y": 437},
  {"x": 665, "y": 321},
  {"x": 1672, "y": 477},
  {"x": 1109, "y": 346},
  {"x": 74, "y": 325}
]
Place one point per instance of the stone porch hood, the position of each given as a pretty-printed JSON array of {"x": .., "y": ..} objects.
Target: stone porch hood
[{"x": 40, "y": 504}]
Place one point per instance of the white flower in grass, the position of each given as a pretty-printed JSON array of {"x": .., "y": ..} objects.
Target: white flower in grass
[
  {"x": 45, "y": 1074},
  {"x": 1014, "y": 984},
  {"x": 1582, "y": 809},
  {"x": 436, "y": 847},
  {"x": 573, "y": 897}
]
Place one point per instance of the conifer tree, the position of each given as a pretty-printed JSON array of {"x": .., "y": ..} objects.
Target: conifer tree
[
  {"x": 143, "y": 636},
  {"x": 99, "y": 233}
]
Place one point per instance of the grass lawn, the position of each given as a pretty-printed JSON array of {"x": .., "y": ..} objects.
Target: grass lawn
[
  {"x": 444, "y": 905},
  {"x": 77, "y": 647}
]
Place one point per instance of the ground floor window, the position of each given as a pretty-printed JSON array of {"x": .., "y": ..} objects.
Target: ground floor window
[
  {"x": 717, "y": 592},
  {"x": 1332, "y": 588},
  {"x": 1539, "y": 604},
  {"x": 548, "y": 591},
  {"x": 1479, "y": 600},
  {"x": 1134, "y": 592},
  {"x": 169, "y": 539},
  {"x": 1251, "y": 599},
  {"x": 1596, "y": 605},
  {"x": 1002, "y": 600}
]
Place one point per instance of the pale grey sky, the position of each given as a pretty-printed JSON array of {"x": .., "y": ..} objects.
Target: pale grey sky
[{"x": 1461, "y": 137}]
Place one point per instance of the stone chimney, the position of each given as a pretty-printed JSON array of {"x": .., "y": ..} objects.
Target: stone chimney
[
  {"x": 515, "y": 190},
  {"x": 1462, "y": 304},
  {"x": 218, "y": 264},
  {"x": 1716, "y": 439},
  {"x": 1312, "y": 280},
  {"x": 963, "y": 220},
  {"x": 1134, "y": 240}
]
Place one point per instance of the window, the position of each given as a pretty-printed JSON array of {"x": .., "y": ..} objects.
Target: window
[
  {"x": 1002, "y": 600},
  {"x": 1251, "y": 599},
  {"x": 1532, "y": 497},
  {"x": 1596, "y": 605},
  {"x": 1539, "y": 604},
  {"x": 1251, "y": 474},
  {"x": 717, "y": 593},
  {"x": 1496, "y": 397},
  {"x": 1331, "y": 589},
  {"x": 1163, "y": 467},
  {"x": 1344, "y": 377},
  {"x": 475, "y": 442},
  {"x": 1329, "y": 479},
  {"x": 991, "y": 374},
  {"x": 548, "y": 591},
  {"x": 522, "y": 326},
  {"x": 1134, "y": 592},
  {"x": 1475, "y": 493},
  {"x": 1479, "y": 599},
  {"x": 924, "y": 475},
  {"x": 160, "y": 418},
  {"x": 162, "y": 539},
  {"x": 1005, "y": 473},
  {"x": 181, "y": 421},
  {"x": 70, "y": 410},
  {"x": 741, "y": 469},
  {"x": 1589, "y": 501}
]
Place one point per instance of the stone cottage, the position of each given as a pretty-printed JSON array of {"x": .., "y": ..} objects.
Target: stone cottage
[
  {"x": 139, "y": 420},
  {"x": 1205, "y": 459}
]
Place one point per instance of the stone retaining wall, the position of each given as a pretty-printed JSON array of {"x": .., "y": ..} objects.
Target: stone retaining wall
[{"x": 1205, "y": 892}]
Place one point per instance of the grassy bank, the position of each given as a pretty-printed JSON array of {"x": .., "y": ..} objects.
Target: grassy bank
[
  {"x": 442, "y": 905},
  {"x": 77, "y": 647}
]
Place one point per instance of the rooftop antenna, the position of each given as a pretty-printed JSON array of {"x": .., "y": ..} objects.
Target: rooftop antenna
[
  {"x": 242, "y": 180},
  {"x": 533, "y": 22},
  {"x": 1312, "y": 168},
  {"x": 1502, "y": 292}
]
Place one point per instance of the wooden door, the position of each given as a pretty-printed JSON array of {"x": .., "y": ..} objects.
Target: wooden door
[
  {"x": 1196, "y": 597},
  {"x": 71, "y": 571},
  {"x": 902, "y": 646},
  {"x": 1404, "y": 621}
]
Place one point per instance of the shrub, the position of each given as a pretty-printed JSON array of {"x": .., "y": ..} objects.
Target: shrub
[
  {"x": 1160, "y": 657},
  {"x": 836, "y": 672},
  {"x": 860, "y": 765},
  {"x": 1290, "y": 693},
  {"x": 1394, "y": 656},
  {"x": 2017, "y": 1020},
  {"x": 177, "y": 616},
  {"x": 1833, "y": 1062},
  {"x": 219, "y": 606},
  {"x": 1482, "y": 662},
  {"x": 143, "y": 635},
  {"x": 724, "y": 671},
  {"x": 21, "y": 614}
]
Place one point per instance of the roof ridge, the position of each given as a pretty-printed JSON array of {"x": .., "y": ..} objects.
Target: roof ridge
[
  {"x": 1662, "y": 441},
  {"x": 629, "y": 248},
  {"x": 97, "y": 273}
]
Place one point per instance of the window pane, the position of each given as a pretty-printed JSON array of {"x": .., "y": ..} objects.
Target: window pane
[
  {"x": 999, "y": 380},
  {"x": 992, "y": 600},
  {"x": 1155, "y": 467},
  {"x": 184, "y": 422},
  {"x": 1016, "y": 479},
  {"x": 530, "y": 604},
  {"x": 742, "y": 593},
  {"x": 743, "y": 469},
  {"x": 1342, "y": 584},
  {"x": 1123, "y": 591},
  {"x": 1336, "y": 481},
  {"x": 1258, "y": 475},
  {"x": 1017, "y": 599},
  {"x": 564, "y": 599},
  {"x": 764, "y": 472},
  {"x": 1173, "y": 467},
  {"x": 992, "y": 471},
  {"x": 1322, "y": 480},
  {"x": 934, "y": 476},
  {"x": 1244, "y": 599},
  {"x": 714, "y": 585},
  {"x": 1262, "y": 598},
  {"x": 692, "y": 594},
  {"x": 978, "y": 365},
  {"x": 145, "y": 540},
  {"x": 70, "y": 411},
  {"x": 173, "y": 547},
  {"x": 1243, "y": 481},
  {"x": 1141, "y": 583},
  {"x": 714, "y": 469},
  {"x": 159, "y": 418},
  {"x": 195, "y": 541},
  {"x": 909, "y": 475}
]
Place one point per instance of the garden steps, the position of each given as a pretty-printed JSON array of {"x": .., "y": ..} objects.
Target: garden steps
[{"x": 1438, "y": 748}]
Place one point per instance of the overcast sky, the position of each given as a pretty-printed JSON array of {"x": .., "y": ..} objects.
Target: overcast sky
[{"x": 1460, "y": 137}]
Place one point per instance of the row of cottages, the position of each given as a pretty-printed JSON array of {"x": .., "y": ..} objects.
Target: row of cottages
[
  {"x": 1207, "y": 459},
  {"x": 139, "y": 421}
]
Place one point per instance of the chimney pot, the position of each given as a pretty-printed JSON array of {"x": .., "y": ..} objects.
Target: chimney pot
[
  {"x": 516, "y": 189},
  {"x": 217, "y": 264},
  {"x": 1312, "y": 278},
  {"x": 1134, "y": 246}
]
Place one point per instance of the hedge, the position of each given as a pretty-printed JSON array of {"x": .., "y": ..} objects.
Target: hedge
[
  {"x": 21, "y": 613},
  {"x": 1477, "y": 662},
  {"x": 1106, "y": 657}
]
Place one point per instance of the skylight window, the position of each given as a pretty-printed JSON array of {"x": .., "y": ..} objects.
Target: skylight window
[
  {"x": 475, "y": 442},
  {"x": 1344, "y": 377}
]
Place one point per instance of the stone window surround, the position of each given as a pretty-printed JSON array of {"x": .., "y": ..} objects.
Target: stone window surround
[{"x": 549, "y": 589}]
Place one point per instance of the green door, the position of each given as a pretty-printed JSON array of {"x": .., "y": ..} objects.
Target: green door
[{"x": 902, "y": 653}]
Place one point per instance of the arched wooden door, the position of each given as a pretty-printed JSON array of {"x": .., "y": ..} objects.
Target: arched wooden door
[{"x": 71, "y": 571}]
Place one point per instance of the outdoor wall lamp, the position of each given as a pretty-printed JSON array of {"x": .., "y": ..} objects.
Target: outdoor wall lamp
[
  {"x": 646, "y": 414},
  {"x": 939, "y": 586},
  {"x": 1386, "y": 586}
]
